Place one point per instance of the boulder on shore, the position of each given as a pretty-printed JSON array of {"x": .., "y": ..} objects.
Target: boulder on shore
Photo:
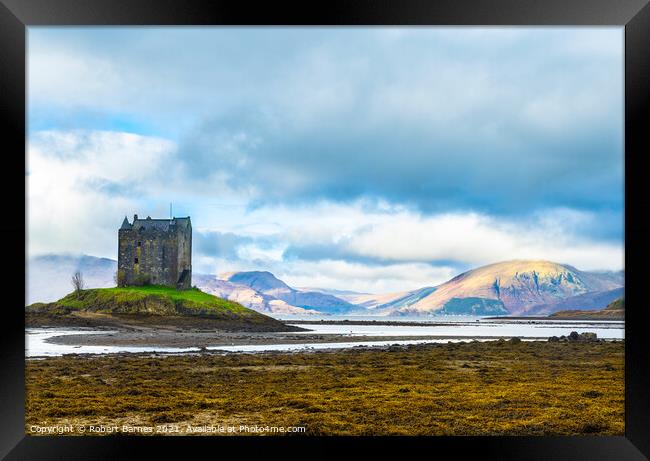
[
  {"x": 588, "y": 336},
  {"x": 575, "y": 336}
]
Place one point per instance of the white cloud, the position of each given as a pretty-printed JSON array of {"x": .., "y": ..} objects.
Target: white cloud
[
  {"x": 424, "y": 74},
  {"x": 363, "y": 278},
  {"x": 72, "y": 204},
  {"x": 477, "y": 239},
  {"x": 81, "y": 184},
  {"x": 398, "y": 234},
  {"x": 64, "y": 77}
]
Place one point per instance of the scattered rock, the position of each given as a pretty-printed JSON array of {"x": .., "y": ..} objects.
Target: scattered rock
[
  {"x": 588, "y": 336},
  {"x": 574, "y": 336},
  {"x": 514, "y": 340}
]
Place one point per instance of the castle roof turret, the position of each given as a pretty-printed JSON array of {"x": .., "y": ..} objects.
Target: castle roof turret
[{"x": 125, "y": 224}]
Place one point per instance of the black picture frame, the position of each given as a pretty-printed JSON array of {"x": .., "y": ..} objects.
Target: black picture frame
[{"x": 634, "y": 15}]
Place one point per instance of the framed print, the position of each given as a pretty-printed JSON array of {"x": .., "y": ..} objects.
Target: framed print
[{"x": 350, "y": 224}]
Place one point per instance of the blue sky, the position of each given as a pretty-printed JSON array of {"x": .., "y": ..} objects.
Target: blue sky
[{"x": 373, "y": 159}]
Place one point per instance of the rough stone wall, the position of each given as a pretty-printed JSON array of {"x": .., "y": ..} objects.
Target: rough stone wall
[
  {"x": 184, "y": 261},
  {"x": 156, "y": 253}
]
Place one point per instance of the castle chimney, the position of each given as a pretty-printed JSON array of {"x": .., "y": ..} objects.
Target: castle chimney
[{"x": 135, "y": 217}]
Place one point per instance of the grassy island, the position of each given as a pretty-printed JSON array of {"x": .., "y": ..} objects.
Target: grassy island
[{"x": 150, "y": 305}]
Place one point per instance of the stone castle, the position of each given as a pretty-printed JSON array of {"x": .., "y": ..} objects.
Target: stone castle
[{"x": 155, "y": 251}]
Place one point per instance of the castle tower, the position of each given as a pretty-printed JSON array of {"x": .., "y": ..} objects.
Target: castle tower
[{"x": 155, "y": 251}]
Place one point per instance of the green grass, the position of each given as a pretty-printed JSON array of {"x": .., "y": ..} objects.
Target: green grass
[
  {"x": 152, "y": 299},
  {"x": 153, "y": 306},
  {"x": 193, "y": 295}
]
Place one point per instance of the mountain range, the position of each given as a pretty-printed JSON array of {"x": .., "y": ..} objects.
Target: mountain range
[
  {"x": 507, "y": 288},
  {"x": 266, "y": 283},
  {"x": 520, "y": 287}
]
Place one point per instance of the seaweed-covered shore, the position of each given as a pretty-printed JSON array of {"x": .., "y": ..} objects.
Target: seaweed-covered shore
[{"x": 476, "y": 388}]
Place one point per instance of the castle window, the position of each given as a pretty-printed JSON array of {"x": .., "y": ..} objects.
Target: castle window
[
  {"x": 136, "y": 260},
  {"x": 139, "y": 244}
]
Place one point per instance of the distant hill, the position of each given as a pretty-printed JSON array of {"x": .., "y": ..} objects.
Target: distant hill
[
  {"x": 245, "y": 295},
  {"x": 617, "y": 305},
  {"x": 373, "y": 302},
  {"x": 586, "y": 302},
  {"x": 505, "y": 288},
  {"x": 267, "y": 284},
  {"x": 345, "y": 295},
  {"x": 48, "y": 276},
  {"x": 614, "y": 311},
  {"x": 151, "y": 305}
]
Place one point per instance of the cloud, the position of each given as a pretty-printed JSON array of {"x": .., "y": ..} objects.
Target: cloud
[
  {"x": 375, "y": 159},
  {"x": 458, "y": 240},
  {"x": 475, "y": 239},
  {"x": 498, "y": 120},
  {"x": 219, "y": 244},
  {"x": 80, "y": 185},
  {"x": 359, "y": 277},
  {"x": 236, "y": 247}
]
